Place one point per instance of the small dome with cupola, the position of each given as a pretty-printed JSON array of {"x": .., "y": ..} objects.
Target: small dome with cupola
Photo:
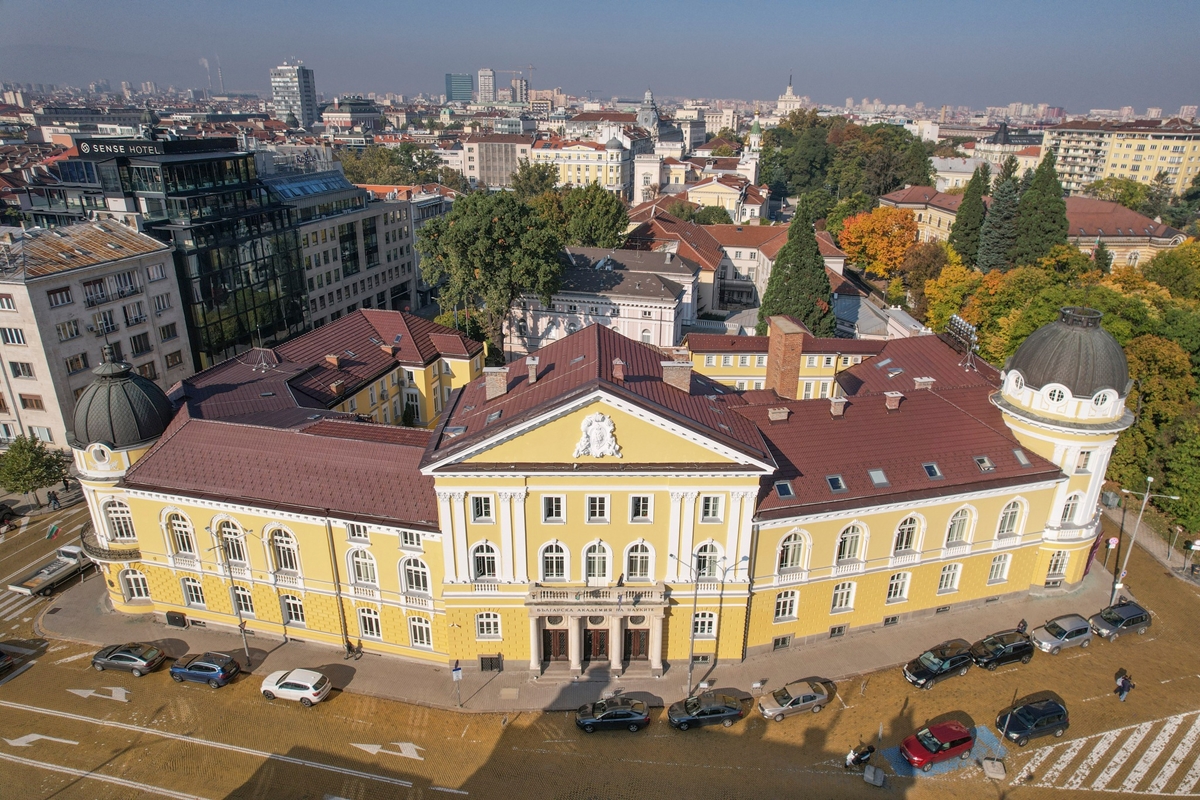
[{"x": 120, "y": 409}]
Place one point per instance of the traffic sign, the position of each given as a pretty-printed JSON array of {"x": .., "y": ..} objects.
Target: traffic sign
[
  {"x": 1112, "y": 542},
  {"x": 1124, "y": 572},
  {"x": 456, "y": 673}
]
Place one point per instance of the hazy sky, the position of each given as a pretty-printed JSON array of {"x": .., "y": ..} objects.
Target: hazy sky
[{"x": 1079, "y": 54}]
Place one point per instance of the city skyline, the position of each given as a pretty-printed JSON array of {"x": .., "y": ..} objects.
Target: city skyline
[{"x": 850, "y": 50}]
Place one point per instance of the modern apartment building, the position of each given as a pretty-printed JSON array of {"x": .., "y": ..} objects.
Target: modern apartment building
[
  {"x": 67, "y": 293},
  {"x": 1088, "y": 151},
  {"x": 582, "y": 162},
  {"x": 487, "y": 85},
  {"x": 492, "y": 160},
  {"x": 459, "y": 87},
  {"x": 294, "y": 91}
]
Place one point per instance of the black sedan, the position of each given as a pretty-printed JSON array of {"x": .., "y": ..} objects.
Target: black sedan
[
  {"x": 6, "y": 662},
  {"x": 705, "y": 709},
  {"x": 215, "y": 669},
  {"x": 1028, "y": 721},
  {"x": 947, "y": 659},
  {"x": 1002, "y": 648},
  {"x": 135, "y": 658},
  {"x": 617, "y": 713}
]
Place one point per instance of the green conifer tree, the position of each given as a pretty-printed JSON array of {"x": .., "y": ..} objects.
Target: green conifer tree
[
  {"x": 1041, "y": 216},
  {"x": 1102, "y": 257},
  {"x": 964, "y": 237},
  {"x": 999, "y": 230},
  {"x": 798, "y": 285}
]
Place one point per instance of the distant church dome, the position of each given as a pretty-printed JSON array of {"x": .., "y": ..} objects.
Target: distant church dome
[
  {"x": 1075, "y": 352},
  {"x": 120, "y": 408},
  {"x": 614, "y": 144}
]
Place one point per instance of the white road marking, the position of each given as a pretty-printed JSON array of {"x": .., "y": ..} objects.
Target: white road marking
[
  {"x": 1177, "y": 757},
  {"x": 56, "y": 648},
  {"x": 1066, "y": 758},
  {"x": 1151, "y": 755},
  {"x": 116, "y": 693},
  {"x": 209, "y": 743},
  {"x": 29, "y": 738},
  {"x": 407, "y": 749},
  {"x": 1189, "y": 780},
  {"x": 18, "y": 610},
  {"x": 1034, "y": 763},
  {"x": 17, "y": 672},
  {"x": 1122, "y": 755},
  {"x": 96, "y": 776},
  {"x": 444, "y": 789},
  {"x": 1093, "y": 758},
  {"x": 69, "y": 659},
  {"x": 21, "y": 651}
]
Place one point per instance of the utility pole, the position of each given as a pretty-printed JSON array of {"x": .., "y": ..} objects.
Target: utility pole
[{"x": 1146, "y": 495}]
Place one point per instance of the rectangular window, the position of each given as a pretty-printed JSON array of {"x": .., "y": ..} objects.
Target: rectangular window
[
  {"x": 838, "y": 630},
  {"x": 704, "y": 625},
  {"x": 710, "y": 361},
  {"x": 148, "y": 371},
  {"x": 785, "y": 606},
  {"x": 12, "y": 335},
  {"x": 357, "y": 532},
  {"x": 481, "y": 508},
  {"x": 162, "y": 302},
  {"x": 999, "y": 570},
  {"x": 836, "y": 484},
  {"x": 167, "y": 332},
  {"x": 878, "y": 478},
  {"x": 932, "y": 471},
  {"x": 597, "y": 508},
  {"x": 811, "y": 362},
  {"x": 843, "y": 597},
  {"x": 948, "y": 580},
  {"x": 6, "y": 303},
  {"x": 1083, "y": 462},
  {"x": 59, "y": 297},
  {"x": 410, "y": 540},
  {"x": 897, "y": 590},
  {"x": 743, "y": 361},
  {"x": 824, "y": 389},
  {"x": 135, "y": 313},
  {"x": 293, "y": 610},
  {"x": 21, "y": 369},
  {"x": 726, "y": 361},
  {"x": 174, "y": 359},
  {"x": 32, "y": 402},
  {"x": 639, "y": 508},
  {"x": 140, "y": 344},
  {"x": 760, "y": 361},
  {"x": 808, "y": 390},
  {"x": 710, "y": 508},
  {"x": 156, "y": 272},
  {"x": 1058, "y": 564},
  {"x": 552, "y": 508},
  {"x": 193, "y": 592},
  {"x": 77, "y": 363},
  {"x": 41, "y": 433},
  {"x": 67, "y": 330},
  {"x": 985, "y": 464}
]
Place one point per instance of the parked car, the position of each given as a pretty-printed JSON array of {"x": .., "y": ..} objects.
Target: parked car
[
  {"x": 306, "y": 685},
  {"x": 1069, "y": 630},
  {"x": 939, "y": 742},
  {"x": 794, "y": 698},
  {"x": 215, "y": 669},
  {"x": 7, "y": 513},
  {"x": 947, "y": 659},
  {"x": 618, "y": 712},
  {"x": 135, "y": 658},
  {"x": 1124, "y": 617},
  {"x": 7, "y": 662},
  {"x": 705, "y": 709},
  {"x": 1031, "y": 720},
  {"x": 1003, "y": 647}
]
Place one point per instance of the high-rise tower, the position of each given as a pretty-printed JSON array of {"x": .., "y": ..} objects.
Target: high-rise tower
[{"x": 294, "y": 90}]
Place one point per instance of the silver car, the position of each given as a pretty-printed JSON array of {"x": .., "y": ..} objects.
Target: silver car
[
  {"x": 793, "y": 698},
  {"x": 1069, "y": 630}
]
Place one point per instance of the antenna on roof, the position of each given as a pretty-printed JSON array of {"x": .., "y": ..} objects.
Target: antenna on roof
[{"x": 964, "y": 339}]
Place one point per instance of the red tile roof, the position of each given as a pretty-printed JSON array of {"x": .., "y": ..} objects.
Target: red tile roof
[
  {"x": 1088, "y": 218},
  {"x": 757, "y": 236},
  {"x": 604, "y": 116},
  {"x": 580, "y": 364},
  {"x": 651, "y": 208},
  {"x": 723, "y": 343},
  {"x": 694, "y": 241},
  {"x": 923, "y": 196},
  {"x": 901, "y": 361},
  {"x": 827, "y": 247},
  {"x": 949, "y": 428}
]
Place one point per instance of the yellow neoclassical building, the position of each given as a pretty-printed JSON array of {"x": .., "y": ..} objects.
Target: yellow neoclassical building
[{"x": 602, "y": 504}]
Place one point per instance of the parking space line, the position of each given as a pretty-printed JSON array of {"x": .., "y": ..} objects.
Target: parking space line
[
  {"x": 1151, "y": 755},
  {"x": 1034, "y": 763},
  {"x": 69, "y": 659},
  {"x": 1189, "y": 780},
  {"x": 1093, "y": 758},
  {"x": 1122, "y": 755},
  {"x": 1066, "y": 758},
  {"x": 1177, "y": 757},
  {"x": 16, "y": 611},
  {"x": 209, "y": 743},
  {"x": 96, "y": 776}
]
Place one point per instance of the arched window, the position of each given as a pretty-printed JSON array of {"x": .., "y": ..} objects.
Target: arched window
[
  {"x": 998, "y": 573},
  {"x": 554, "y": 562},
  {"x": 645, "y": 337},
  {"x": 1133, "y": 258},
  {"x": 283, "y": 546},
  {"x": 791, "y": 554},
  {"x": 483, "y": 560},
  {"x": 906, "y": 535},
  {"x": 706, "y": 562},
  {"x": 897, "y": 590},
  {"x": 957, "y": 531},
  {"x": 948, "y": 580},
  {"x": 182, "y": 537},
  {"x": 596, "y": 563},
  {"x": 368, "y": 624},
  {"x": 415, "y": 575},
  {"x": 1008, "y": 519},
  {"x": 362, "y": 567},
  {"x": 843, "y": 597},
  {"x": 487, "y": 625},
  {"x": 849, "y": 543},
  {"x": 244, "y": 600},
  {"x": 120, "y": 521},
  {"x": 1069, "y": 510},
  {"x": 293, "y": 609},
  {"x": 193, "y": 592},
  {"x": 420, "y": 632},
  {"x": 785, "y": 605},
  {"x": 134, "y": 585},
  {"x": 1058, "y": 564},
  {"x": 637, "y": 562},
  {"x": 233, "y": 540}
]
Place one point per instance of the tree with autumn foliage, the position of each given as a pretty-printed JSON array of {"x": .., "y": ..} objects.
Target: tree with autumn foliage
[
  {"x": 948, "y": 292},
  {"x": 922, "y": 263},
  {"x": 877, "y": 240}
]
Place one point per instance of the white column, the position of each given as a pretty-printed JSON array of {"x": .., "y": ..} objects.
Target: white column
[
  {"x": 656, "y": 632},
  {"x": 520, "y": 557},
  {"x": 445, "y": 522},
  {"x": 506, "y": 538},
  {"x": 687, "y": 531},
  {"x": 746, "y": 536},
  {"x": 673, "y": 538},
  {"x": 575, "y": 642},
  {"x": 535, "y": 644},
  {"x": 460, "y": 536},
  {"x": 616, "y": 640},
  {"x": 734, "y": 518}
]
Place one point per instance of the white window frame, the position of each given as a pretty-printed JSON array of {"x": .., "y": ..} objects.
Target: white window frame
[
  {"x": 420, "y": 632},
  {"x": 603, "y": 500},
  {"x": 843, "y": 597},
  {"x": 648, "y": 516},
  {"x": 897, "y": 589},
  {"x": 363, "y": 570},
  {"x": 182, "y": 534},
  {"x": 481, "y": 509},
  {"x": 565, "y": 554},
  {"x": 119, "y": 521},
  {"x": 370, "y": 626},
  {"x": 357, "y": 532},
  {"x": 193, "y": 593},
  {"x": 1058, "y": 564},
  {"x": 967, "y": 517},
  {"x": 562, "y": 509},
  {"x": 795, "y": 543},
  {"x": 603, "y": 551},
  {"x": 293, "y": 610},
  {"x": 485, "y": 550},
  {"x": 785, "y": 605},
  {"x": 949, "y": 578},
  {"x": 704, "y": 625},
  {"x": 1003, "y": 531},
  {"x": 134, "y": 585},
  {"x": 706, "y": 561},
  {"x": 998, "y": 571},
  {"x": 414, "y": 567},
  {"x": 853, "y": 532},
  {"x": 640, "y": 549},
  {"x": 240, "y": 593},
  {"x": 1070, "y": 509},
  {"x": 284, "y": 548},
  {"x": 487, "y": 626},
  {"x": 712, "y": 508},
  {"x": 910, "y": 536}
]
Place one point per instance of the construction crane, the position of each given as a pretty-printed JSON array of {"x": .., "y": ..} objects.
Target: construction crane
[{"x": 531, "y": 68}]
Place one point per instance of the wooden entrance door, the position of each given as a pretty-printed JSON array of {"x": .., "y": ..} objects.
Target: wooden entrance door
[
  {"x": 595, "y": 645},
  {"x": 554, "y": 645},
  {"x": 637, "y": 644}
]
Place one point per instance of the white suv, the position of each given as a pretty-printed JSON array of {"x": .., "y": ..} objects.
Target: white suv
[{"x": 305, "y": 685}]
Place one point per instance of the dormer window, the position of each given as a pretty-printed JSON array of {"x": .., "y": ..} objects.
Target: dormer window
[
  {"x": 985, "y": 464},
  {"x": 836, "y": 484},
  {"x": 1022, "y": 458},
  {"x": 878, "y": 478},
  {"x": 784, "y": 489},
  {"x": 932, "y": 471},
  {"x": 1056, "y": 395}
]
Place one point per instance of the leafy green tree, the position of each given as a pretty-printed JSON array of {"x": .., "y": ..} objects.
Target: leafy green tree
[
  {"x": 682, "y": 210},
  {"x": 408, "y": 163},
  {"x": 964, "y": 236},
  {"x": 723, "y": 151},
  {"x": 1177, "y": 270},
  {"x": 1102, "y": 257},
  {"x": 917, "y": 168},
  {"x": 487, "y": 252},
  {"x": 798, "y": 285},
  {"x": 453, "y": 179},
  {"x": 1009, "y": 168},
  {"x": 1158, "y": 196},
  {"x": 813, "y": 205},
  {"x": 531, "y": 179},
  {"x": 549, "y": 208},
  {"x": 1181, "y": 470},
  {"x": 1041, "y": 216},
  {"x": 856, "y": 203},
  {"x": 1026, "y": 182},
  {"x": 999, "y": 230},
  {"x": 28, "y": 465},
  {"x": 924, "y": 262},
  {"x": 1128, "y": 193},
  {"x": 595, "y": 217},
  {"x": 713, "y": 215}
]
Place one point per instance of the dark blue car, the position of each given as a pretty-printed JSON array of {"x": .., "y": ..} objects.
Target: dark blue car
[{"x": 215, "y": 669}]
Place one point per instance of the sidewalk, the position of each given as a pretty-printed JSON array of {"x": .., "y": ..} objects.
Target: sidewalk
[
  {"x": 1149, "y": 540},
  {"x": 82, "y": 613}
]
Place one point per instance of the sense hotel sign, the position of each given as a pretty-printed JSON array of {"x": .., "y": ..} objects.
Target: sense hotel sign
[{"x": 120, "y": 147}]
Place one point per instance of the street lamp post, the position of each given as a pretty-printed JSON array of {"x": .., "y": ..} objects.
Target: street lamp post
[
  {"x": 1146, "y": 495},
  {"x": 221, "y": 545},
  {"x": 695, "y": 599}
]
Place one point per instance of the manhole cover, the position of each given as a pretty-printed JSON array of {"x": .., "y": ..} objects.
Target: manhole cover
[{"x": 54, "y": 610}]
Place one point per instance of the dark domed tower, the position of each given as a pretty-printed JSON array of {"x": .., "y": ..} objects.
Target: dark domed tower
[
  {"x": 1063, "y": 395},
  {"x": 117, "y": 419}
]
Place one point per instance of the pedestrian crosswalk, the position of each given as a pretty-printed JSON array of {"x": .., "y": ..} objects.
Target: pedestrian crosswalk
[
  {"x": 13, "y": 605},
  {"x": 1137, "y": 759}
]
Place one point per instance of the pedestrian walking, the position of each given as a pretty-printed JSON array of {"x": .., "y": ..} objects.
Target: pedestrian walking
[
  {"x": 358, "y": 651},
  {"x": 54, "y": 504},
  {"x": 1022, "y": 626},
  {"x": 349, "y": 651},
  {"x": 66, "y": 484},
  {"x": 1125, "y": 685},
  {"x": 858, "y": 756}
]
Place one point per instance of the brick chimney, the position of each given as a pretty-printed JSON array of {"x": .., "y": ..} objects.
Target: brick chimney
[
  {"x": 618, "y": 369},
  {"x": 681, "y": 354},
  {"x": 837, "y": 407},
  {"x": 923, "y": 383},
  {"x": 785, "y": 348},
  {"x": 532, "y": 363},
  {"x": 779, "y": 414},
  {"x": 495, "y": 381},
  {"x": 390, "y": 349},
  {"x": 678, "y": 374},
  {"x": 334, "y": 360},
  {"x": 893, "y": 400}
]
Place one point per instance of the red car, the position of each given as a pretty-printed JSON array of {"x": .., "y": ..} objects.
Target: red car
[{"x": 939, "y": 742}]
